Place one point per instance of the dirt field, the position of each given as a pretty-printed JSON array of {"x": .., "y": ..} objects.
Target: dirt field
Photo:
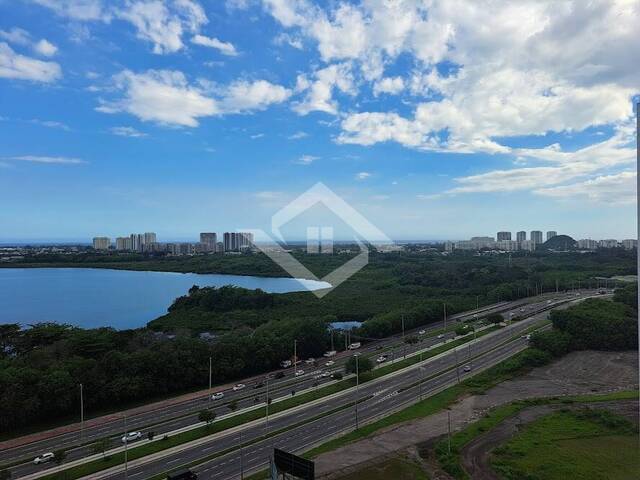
[{"x": 577, "y": 373}]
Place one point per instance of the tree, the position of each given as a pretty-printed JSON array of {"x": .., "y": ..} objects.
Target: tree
[
  {"x": 233, "y": 405},
  {"x": 364, "y": 365},
  {"x": 101, "y": 446},
  {"x": 207, "y": 416},
  {"x": 495, "y": 318},
  {"x": 463, "y": 329},
  {"x": 411, "y": 339}
]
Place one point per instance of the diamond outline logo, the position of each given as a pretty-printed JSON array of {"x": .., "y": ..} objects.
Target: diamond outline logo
[{"x": 321, "y": 194}]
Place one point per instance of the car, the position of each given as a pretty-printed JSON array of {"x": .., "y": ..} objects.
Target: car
[
  {"x": 325, "y": 374},
  {"x": 381, "y": 359},
  {"x": 258, "y": 385},
  {"x": 217, "y": 396},
  {"x": 467, "y": 368},
  {"x": 280, "y": 375},
  {"x": 422, "y": 332},
  {"x": 441, "y": 336},
  {"x": 310, "y": 361},
  {"x": 299, "y": 372},
  {"x": 329, "y": 363},
  {"x": 45, "y": 457},
  {"x": 528, "y": 337},
  {"x": 522, "y": 310},
  {"x": 240, "y": 386},
  {"x": 131, "y": 436}
]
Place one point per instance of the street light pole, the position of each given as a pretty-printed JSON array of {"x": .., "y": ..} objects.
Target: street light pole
[
  {"x": 266, "y": 428},
  {"x": 455, "y": 351},
  {"x": 81, "y": 415},
  {"x": 404, "y": 345},
  {"x": 295, "y": 357},
  {"x": 209, "y": 375},
  {"x": 126, "y": 444},
  {"x": 357, "y": 388}
]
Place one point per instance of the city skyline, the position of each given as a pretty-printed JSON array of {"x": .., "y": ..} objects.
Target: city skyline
[{"x": 395, "y": 123}]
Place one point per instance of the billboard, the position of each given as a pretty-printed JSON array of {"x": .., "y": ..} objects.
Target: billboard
[{"x": 288, "y": 463}]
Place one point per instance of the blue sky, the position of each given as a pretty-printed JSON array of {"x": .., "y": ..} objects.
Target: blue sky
[{"x": 433, "y": 119}]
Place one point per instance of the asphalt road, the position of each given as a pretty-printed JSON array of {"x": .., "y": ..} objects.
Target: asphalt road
[
  {"x": 304, "y": 429},
  {"x": 185, "y": 414}
]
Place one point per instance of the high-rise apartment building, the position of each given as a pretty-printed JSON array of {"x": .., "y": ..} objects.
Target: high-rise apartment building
[
  {"x": 210, "y": 241},
  {"x": 124, "y": 243},
  {"x": 150, "y": 237},
  {"x": 609, "y": 243},
  {"x": 551, "y": 234},
  {"x": 536, "y": 237},
  {"x": 101, "y": 243},
  {"x": 503, "y": 236},
  {"x": 521, "y": 236},
  {"x": 630, "y": 244},
  {"x": 587, "y": 244},
  {"x": 236, "y": 241}
]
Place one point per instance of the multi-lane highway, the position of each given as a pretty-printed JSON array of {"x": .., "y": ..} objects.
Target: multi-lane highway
[{"x": 183, "y": 415}]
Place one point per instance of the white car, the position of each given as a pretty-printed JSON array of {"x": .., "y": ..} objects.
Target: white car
[
  {"x": 45, "y": 457},
  {"x": 217, "y": 396},
  {"x": 240, "y": 386},
  {"x": 310, "y": 361},
  {"x": 467, "y": 368},
  {"x": 299, "y": 372},
  {"x": 325, "y": 374},
  {"x": 330, "y": 363},
  {"x": 129, "y": 437},
  {"x": 441, "y": 336},
  {"x": 381, "y": 359},
  {"x": 422, "y": 332}
]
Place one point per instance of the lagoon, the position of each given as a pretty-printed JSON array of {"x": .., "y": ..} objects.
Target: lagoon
[{"x": 96, "y": 297}]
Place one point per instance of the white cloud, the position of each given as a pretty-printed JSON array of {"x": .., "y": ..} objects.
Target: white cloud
[
  {"x": 166, "y": 97},
  {"x": 244, "y": 96},
  {"x": 127, "y": 132},
  {"x": 606, "y": 189},
  {"x": 163, "y": 23},
  {"x": 16, "y": 35},
  {"x": 285, "y": 38},
  {"x": 224, "y": 48},
  {"x": 391, "y": 85},
  {"x": 306, "y": 160},
  {"x": 298, "y": 135},
  {"x": 14, "y": 65},
  {"x": 48, "y": 160},
  {"x": 76, "y": 9},
  {"x": 51, "y": 124},
  {"x": 319, "y": 93},
  {"x": 256, "y": 136},
  {"x": 162, "y": 96},
  {"x": 362, "y": 175},
  {"x": 45, "y": 48},
  {"x": 268, "y": 195}
]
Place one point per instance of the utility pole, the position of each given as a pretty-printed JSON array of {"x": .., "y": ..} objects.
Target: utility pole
[
  {"x": 332, "y": 339},
  {"x": 295, "y": 357},
  {"x": 444, "y": 305},
  {"x": 210, "y": 375},
  {"x": 266, "y": 426},
  {"x": 449, "y": 430},
  {"x": 404, "y": 344},
  {"x": 357, "y": 388},
  {"x": 81, "y": 416},
  {"x": 455, "y": 351},
  {"x": 126, "y": 445},
  {"x": 241, "y": 457}
]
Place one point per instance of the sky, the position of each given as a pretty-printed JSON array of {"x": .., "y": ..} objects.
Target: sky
[{"x": 433, "y": 119}]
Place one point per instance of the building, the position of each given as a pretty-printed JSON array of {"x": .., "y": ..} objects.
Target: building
[
  {"x": 236, "y": 241},
  {"x": 150, "y": 237},
  {"x": 123, "y": 243},
  {"x": 521, "y": 236},
  {"x": 476, "y": 243},
  {"x": 551, "y": 234},
  {"x": 507, "y": 245},
  {"x": 528, "y": 245},
  {"x": 587, "y": 244},
  {"x": 609, "y": 243},
  {"x": 101, "y": 243},
  {"x": 210, "y": 240},
  {"x": 448, "y": 246},
  {"x": 504, "y": 236},
  {"x": 536, "y": 237},
  {"x": 630, "y": 244}
]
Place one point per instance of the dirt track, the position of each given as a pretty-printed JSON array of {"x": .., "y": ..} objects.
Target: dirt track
[{"x": 577, "y": 373}]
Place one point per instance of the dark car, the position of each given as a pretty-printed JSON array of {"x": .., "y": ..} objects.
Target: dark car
[{"x": 183, "y": 475}]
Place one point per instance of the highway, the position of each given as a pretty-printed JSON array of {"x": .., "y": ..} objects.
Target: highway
[
  {"x": 304, "y": 429},
  {"x": 182, "y": 415}
]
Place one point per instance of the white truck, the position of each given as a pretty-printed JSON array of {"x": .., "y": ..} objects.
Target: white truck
[
  {"x": 354, "y": 345},
  {"x": 329, "y": 354}
]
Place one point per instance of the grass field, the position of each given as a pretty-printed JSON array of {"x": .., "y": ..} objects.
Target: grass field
[
  {"x": 568, "y": 444},
  {"x": 396, "y": 468}
]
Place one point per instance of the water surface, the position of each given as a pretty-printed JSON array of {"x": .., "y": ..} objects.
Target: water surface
[{"x": 96, "y": 297}]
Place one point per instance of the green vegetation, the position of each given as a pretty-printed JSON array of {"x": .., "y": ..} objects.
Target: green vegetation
[
  {"x": 364, "y": 365},
  {"x": 593, "y": 444},
  {"x": 42, "y": 366}
]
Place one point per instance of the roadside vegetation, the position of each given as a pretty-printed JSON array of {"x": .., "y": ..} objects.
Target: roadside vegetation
[{"x": 42, "y": 366}]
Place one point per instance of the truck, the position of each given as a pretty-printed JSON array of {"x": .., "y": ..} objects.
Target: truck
[
  {"x": 354, "y": 345},
  {"x": 183, "y": 475},
  {"x": 330, "y": 353}
]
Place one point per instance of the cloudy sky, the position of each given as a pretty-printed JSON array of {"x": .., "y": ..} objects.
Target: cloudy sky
[{"x": 435, "y": 119}]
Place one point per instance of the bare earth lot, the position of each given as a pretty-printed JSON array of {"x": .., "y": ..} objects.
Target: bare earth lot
[{"x": 577, "y": 373}]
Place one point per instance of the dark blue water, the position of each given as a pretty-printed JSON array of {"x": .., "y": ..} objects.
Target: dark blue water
[{"x": 89, "y": 297}]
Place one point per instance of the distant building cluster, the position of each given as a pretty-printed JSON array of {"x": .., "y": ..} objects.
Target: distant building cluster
[
  {"x": 504, "y": 242},
  {"x": 148, "y": 243}
]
